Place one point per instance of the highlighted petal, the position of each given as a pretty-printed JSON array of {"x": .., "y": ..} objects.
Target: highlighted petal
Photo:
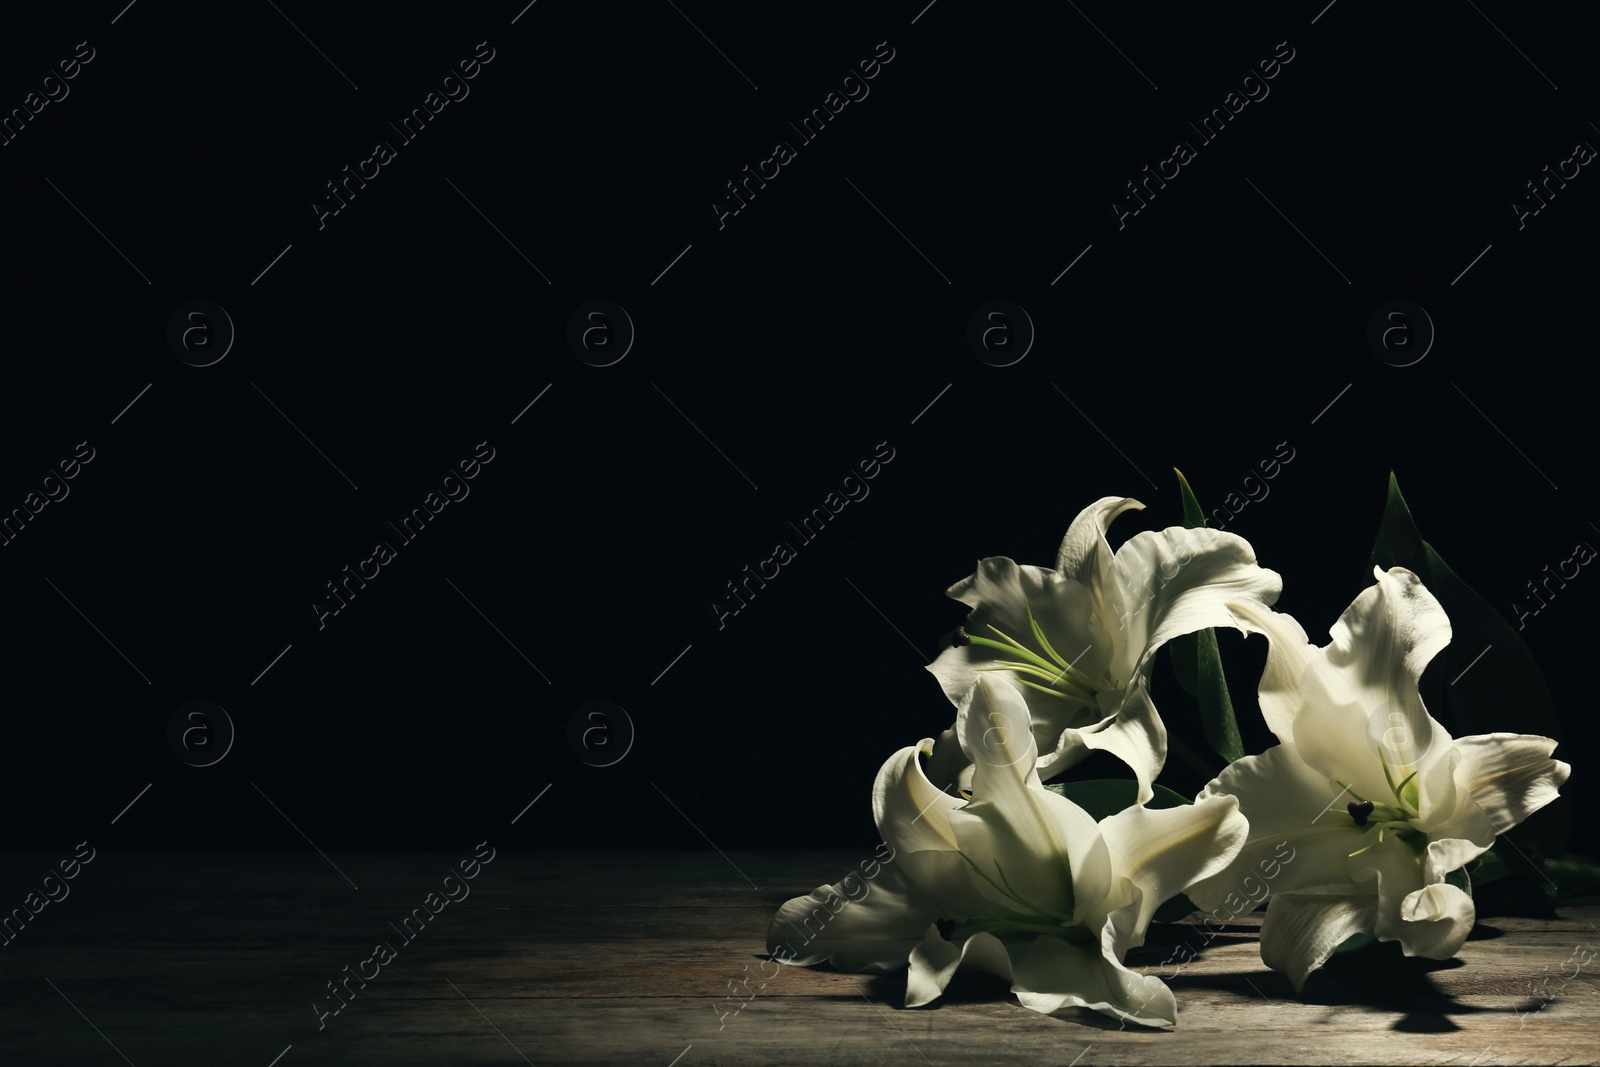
[
  {"x": 1431, "y": 921},
  {"x": 1084, "y": 555},
  {"x": 1434, "y": 902},
  {"x": 1301, "y": 834},
  {"x": 1508, "y": 776},
  {"x": 1164, "y": 850},
  {"x": 1301, "y": 930},
  {"x": 1176, "y": 581},
  {"x": 1033, "y": 849},
  {"x": 911, "y": 812},
  {"x": 1364, "y": 699}
]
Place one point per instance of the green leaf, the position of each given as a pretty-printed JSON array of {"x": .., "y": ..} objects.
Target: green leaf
[
  {"x": 1216, "y": 706},
  {"x": 1460, "y": 879},
  {"x": 1488, "y": 868},
  {"x": 1193, "y": 516},
  {"x": 1399, "y": 543},
  {"x": 1103, "y": 797},
  {"x": 1197, "y": 661},
  {"x": 1574, "y": 875},
  {"x": 1502, "y": 690}
]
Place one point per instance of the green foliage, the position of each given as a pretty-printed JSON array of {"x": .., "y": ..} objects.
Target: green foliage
[{"x": 1197, "y": 662}]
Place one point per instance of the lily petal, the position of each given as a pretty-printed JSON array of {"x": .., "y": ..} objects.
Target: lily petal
[
  {"x": 1084, "y": 555},
  {"x": 948, "y": 766},
  {"x": 912, "y": 813},
  {"x": 1301, "y": 833},
  {"x": 1431, "y": 921},
  {"x": 862, "y": 925},
  {"x": 1301, "y": 930},
  {"x": 1432, "y": 903},
  {"x": 1164, "y": 850},
  {"x": 1051, "y": 973},
  {"x": 1038, "y": 845},
  {"x": 1366, "y": 700},
  {"x": 1130, "y": 730},
  {"x": 1007, "y": 600},
  {"x": 1086, "y": 558},
  {"x": 1290, "y": 654},
  {"x": 1176, "y": 581},
  {"x": 933, "y": 963},
  {"x": 1155, "y": 1005},
  {"x": 1449, "y": 854},
  {"x": 1047, "y": 973},
  {"x": 1508, "y": 777}
]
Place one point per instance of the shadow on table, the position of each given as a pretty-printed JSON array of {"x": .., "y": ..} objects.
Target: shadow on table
[{"x": 1378, "y": 977}]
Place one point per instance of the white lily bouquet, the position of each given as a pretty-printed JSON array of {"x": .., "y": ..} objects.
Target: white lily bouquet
[{"x": 1364, "y": 818}]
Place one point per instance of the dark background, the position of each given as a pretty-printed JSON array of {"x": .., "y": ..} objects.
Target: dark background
[{"x": 796, "y": 338}]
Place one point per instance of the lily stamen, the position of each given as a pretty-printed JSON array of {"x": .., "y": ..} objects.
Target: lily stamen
[
  {"x": 1027, "y": 668},
  {"x": 1044, "y": 642},
  {"x": 1398, "y": 790},
  {"x": 1065, "y": 679}
]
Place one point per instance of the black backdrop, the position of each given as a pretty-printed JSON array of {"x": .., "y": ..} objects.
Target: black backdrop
[{"x": 774, "y": 350}]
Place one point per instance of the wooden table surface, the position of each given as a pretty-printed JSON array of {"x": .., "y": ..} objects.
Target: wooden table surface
[{"x": 602, "y": 958}]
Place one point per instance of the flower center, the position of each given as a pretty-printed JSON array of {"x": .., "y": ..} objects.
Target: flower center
[
  {"x": 1050, "y": 673},
  {"x": 1392, "y": 818}
]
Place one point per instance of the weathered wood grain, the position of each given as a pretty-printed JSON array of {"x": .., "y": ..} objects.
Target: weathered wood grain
[{"x": 599, "y": 958}]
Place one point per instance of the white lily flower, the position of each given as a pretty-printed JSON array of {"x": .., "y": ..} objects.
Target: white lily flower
[
  {"x": 1081, "y": 639},
  {"x": 1017, "y": 881},
  {"x": 1376, "y": 798}
]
